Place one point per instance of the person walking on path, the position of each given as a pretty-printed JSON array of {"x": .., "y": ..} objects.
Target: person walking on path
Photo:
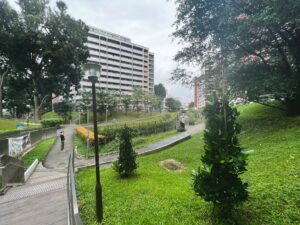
[{"x": 62, "y": 139}]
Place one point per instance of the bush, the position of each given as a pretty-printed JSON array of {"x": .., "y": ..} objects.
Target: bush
[
  {"x": 163, "y": 125},
  {"x": 85, "y": 135},
  {"x": 126, "y": 163},
  {"x": 51, "y": 115},
  {"x": 51, "y": 119},
  {"x": 218, "y": 180},
  {"x": 51, "y": 122}
]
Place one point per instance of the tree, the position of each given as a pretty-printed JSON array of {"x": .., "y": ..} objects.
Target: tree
[
  {"x": 8, "y": 20},
  {"x": 258, "y": 40},
  {"x": 173, "y": 104},
  {"x": 105, "y": 101},
  {"x": 191, "y": 105},
  {"x": 126, "y": 101},
  {"x": 16, "y": 95},
  {"x": 48, "y": 49},
  {"x": 218, "y": 179},
  {"x": 126, "y": 163},
  {"x": 160, "y": 90},
  {"x": 137, "y": 98},
  {"x": 64, "y": 109}
]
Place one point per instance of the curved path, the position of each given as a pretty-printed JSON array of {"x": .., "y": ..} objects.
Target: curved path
[{"x": 43, "y": 199}]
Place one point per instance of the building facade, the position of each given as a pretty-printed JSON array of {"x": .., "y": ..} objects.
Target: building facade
[
  {"x": 124, "y": 65},
  {"x": 199, "y": 94}
]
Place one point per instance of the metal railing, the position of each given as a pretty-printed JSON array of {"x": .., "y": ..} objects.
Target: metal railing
[{"x": 73, "y": 213}]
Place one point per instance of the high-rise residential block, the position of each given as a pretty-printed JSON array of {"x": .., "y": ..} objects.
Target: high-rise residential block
[{"x": 125, "y": 65}]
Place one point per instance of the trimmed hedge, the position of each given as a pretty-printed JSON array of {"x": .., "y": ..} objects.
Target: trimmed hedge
[
  {"x": 51, "y": 122},
  {"x": 165, "y": 124},
  {"x": 51, "y": 119}
]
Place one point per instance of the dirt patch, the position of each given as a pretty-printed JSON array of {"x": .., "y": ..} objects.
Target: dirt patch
[{"x": 172, "y": 165}]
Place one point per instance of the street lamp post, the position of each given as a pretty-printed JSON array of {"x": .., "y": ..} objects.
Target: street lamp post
[
  {"x": 88, "y": 130},
  {"x": 99, "y": 207}
]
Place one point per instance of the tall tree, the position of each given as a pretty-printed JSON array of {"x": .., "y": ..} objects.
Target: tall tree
[
  {"x": 64, "y": 109},
  {"x": 51, "y": 49},
  {"x": 8, "y": 25},
  {"x": 259, "y": 41},
  {"x": 173, "y": 104},
  {"x": 126, "y": 101},
  {"x": 160, "y": 90},
  {"x": 137, "y": 98}
]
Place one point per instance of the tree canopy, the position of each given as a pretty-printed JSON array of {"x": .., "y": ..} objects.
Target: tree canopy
[
  {"x": 256, "y": 41},
  {"x": 173, "y": 104},
  {"x": 160, "y": 90},
  {"x": 48, "y": 48}
]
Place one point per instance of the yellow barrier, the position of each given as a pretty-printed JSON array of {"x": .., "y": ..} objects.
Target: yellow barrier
[{"x": 85, "y": 134}]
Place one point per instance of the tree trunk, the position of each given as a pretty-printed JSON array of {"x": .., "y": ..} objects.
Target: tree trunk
[
  {"x": 1, "y": 111},
  {"x": 2, "y": 76},
  {"x": 36, "y": 107}
]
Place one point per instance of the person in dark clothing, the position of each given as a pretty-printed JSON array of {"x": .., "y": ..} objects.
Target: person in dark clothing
[{"x": 62, "y": 139}]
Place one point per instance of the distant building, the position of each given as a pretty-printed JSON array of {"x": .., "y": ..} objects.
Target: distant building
[
  {"x": 199, "y": 94},
  {"x": 125, "y": 65}
]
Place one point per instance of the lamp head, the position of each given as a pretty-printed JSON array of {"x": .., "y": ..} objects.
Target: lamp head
[{"x": 94, "y": 73}]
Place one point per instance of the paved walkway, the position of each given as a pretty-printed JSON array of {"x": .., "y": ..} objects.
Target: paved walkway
[
  {"x": 108, "y": 159},
  {"x": 43, "y": 199}
]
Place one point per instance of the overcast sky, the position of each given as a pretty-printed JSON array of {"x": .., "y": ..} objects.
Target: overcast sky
[{"x": 145, "y": 22}]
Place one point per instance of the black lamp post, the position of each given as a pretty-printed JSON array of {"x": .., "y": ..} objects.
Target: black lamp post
[{"x": 99, "y": 206}]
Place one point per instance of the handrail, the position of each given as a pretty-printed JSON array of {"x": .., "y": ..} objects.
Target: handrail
[{"x": 73, "y": 212}]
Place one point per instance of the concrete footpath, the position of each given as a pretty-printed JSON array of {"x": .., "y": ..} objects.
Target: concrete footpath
[
  {"x": 43, "y": 199},
  {"x": 107, "y": 159}
]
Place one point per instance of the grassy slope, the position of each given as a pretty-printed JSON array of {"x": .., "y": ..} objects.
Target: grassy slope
[
  {"x": 38, "y": 152},
  {"x": 138, "y": 142},
  {"x": 156, "y": 196},
  {"x": 10, "y": 125}
]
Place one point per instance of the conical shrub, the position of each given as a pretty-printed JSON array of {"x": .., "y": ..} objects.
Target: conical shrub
[{"x": 126, "y": 164}]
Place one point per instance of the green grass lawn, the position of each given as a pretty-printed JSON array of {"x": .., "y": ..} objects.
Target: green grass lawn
[
  {"x": 137, "y": 142},
  {"x": 10, "y": 125},
  {"x": 157, "y": 196},
  {"x": 38, "y": 152}
]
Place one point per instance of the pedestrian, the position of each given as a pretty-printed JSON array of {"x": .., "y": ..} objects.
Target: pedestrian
[{"x": 62, "y": 139}]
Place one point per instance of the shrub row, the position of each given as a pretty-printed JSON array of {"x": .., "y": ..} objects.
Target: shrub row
[
  {"x": 53, "y": 122},
  {"x": 140, "y": 129},
  {"x": 85, "y": 135}
]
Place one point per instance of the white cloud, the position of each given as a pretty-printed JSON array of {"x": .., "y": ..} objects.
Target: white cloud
[{"x": 145, "y": 22}]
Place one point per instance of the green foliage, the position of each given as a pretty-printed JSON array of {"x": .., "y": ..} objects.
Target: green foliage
[
  {"x": 258, "y": 42},
  {"x": 160, "y": 90},
  {"x": 51, "y": 119},
  {"x": 137, "y": 142},
  {"x": 195, "y": 116},
  {"x": 51, "y": 122},
  {"x": 64, "y": 109},
  {"x": 50, "y": 115},
  {"x": 143, "y": 128},
  {"x": 38, "y": 152},
  {"x": 126, "y": 162},
  {"x": 158, "y": 196},
  {"x": 218, "y": 180},
  {"x": 11, "y": 125},
  {"x": 172, "y": 104},
  {"x": 47, "y": 62}
]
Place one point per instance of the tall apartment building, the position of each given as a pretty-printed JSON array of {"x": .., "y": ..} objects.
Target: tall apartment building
[
  {"x": 199, "y": 94},
  {"x": 125, "y": 65}
]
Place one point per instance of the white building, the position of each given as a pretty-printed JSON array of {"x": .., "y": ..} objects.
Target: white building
[{"x": 125, "y": 65}]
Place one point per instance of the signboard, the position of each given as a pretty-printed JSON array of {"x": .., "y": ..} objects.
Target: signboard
[{"x": 16, "y": 146}]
